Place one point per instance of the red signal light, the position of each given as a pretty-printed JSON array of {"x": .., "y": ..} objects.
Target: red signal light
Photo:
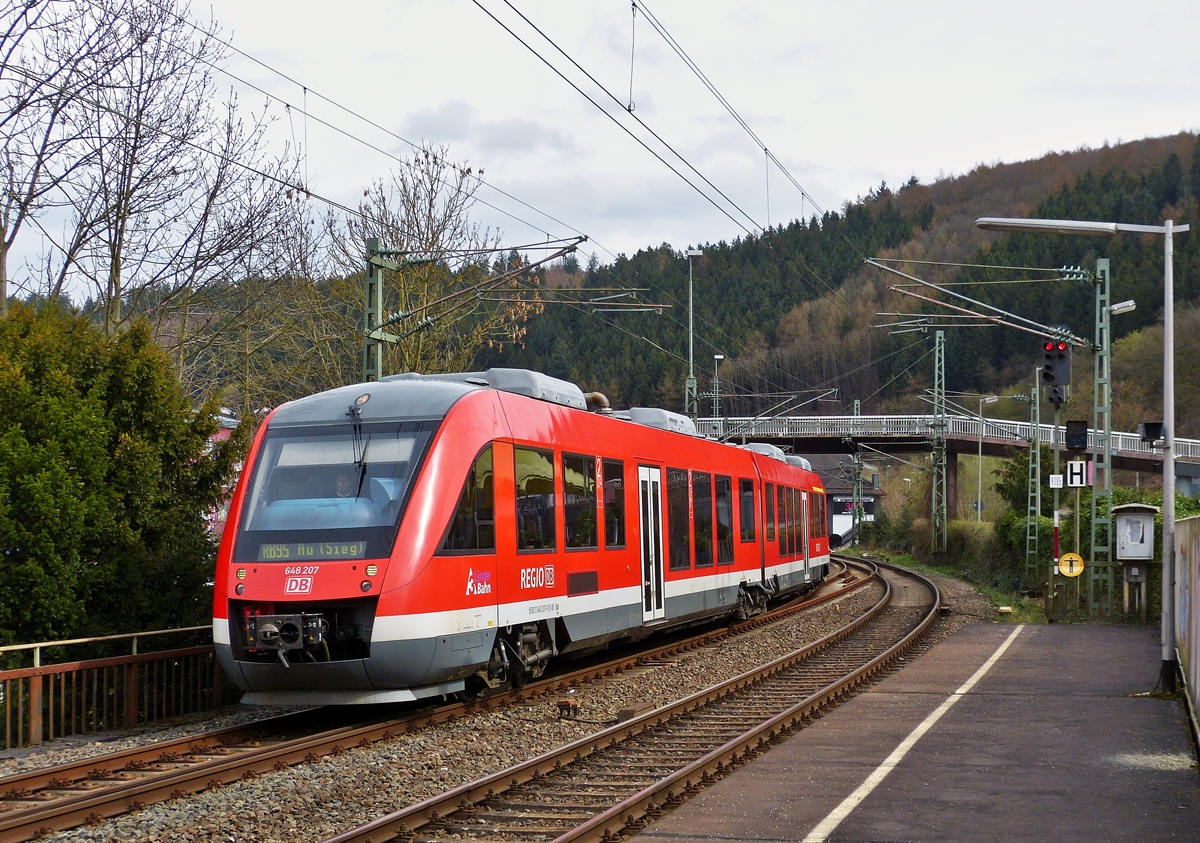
[
  {"x": 1049, "y": 346},
  {"x": 1062, "y": 346}
]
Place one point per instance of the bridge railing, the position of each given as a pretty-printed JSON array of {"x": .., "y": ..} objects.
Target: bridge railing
[{"x": 920, "y": 426}]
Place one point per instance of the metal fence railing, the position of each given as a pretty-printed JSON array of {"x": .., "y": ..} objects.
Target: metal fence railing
[{"x": 47, "y": 701}]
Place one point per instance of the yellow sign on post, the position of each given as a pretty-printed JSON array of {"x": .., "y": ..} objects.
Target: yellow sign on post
[{"x": 1070, "y": 564}]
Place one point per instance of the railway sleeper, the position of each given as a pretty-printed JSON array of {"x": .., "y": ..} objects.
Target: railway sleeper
[
  {"x": 564, "y": 812},
  {"x": 579, "y": 801}
]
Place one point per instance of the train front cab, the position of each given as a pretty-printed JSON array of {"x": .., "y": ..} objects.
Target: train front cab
[{"x": 321, "y": 593}]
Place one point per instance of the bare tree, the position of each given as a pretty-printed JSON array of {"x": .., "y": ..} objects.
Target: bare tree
[
  {"x": 450, "y": 306},
  {"x": 179, "y": 196},
  {"x": 51, "y": 53}
]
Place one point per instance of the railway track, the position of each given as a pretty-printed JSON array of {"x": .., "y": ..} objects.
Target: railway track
[
  {"x": 39, "y": 802},
  {"x": 603, "y": 786}
]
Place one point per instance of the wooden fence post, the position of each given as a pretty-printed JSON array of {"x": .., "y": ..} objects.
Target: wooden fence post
[
  {"x": 131, "y": 694},
  {"x": 35, "y": 710},
  {"x": 218, "y": 683}
]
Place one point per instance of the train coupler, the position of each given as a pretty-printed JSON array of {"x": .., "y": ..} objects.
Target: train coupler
[{"x": 283, "y": 633}]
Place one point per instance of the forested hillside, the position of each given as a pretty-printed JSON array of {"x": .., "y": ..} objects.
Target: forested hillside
[
  {"x": 742, "y": 292},
  {"x": 793, "y": 310}
]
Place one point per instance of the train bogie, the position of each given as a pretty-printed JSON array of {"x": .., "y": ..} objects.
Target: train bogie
[{"x": 426, "y": 536}]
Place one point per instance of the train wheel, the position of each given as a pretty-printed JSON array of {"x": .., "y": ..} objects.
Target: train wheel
[{"x": 474, "y": 687}]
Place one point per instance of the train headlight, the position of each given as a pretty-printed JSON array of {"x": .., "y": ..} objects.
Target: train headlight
[
  {"x": 366, "y": 585},
  {"x": 372, "y": 570},
  {"x": 241, "y": 573},
  {"x": 241, "y": 588}
]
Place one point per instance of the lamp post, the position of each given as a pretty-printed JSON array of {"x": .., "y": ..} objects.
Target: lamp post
[
  {"x": 1111, "y": 229},
  {"x": 717, "y": 358},
  {"x": 689, "y": 386},
  {"x": 990, "y": 399}
]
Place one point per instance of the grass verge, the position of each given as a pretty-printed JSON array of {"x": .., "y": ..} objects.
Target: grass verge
[{"x": 1024, "y": 609}]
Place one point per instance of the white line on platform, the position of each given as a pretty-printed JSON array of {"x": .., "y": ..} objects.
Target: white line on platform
[{"x": 831, "y": 822}]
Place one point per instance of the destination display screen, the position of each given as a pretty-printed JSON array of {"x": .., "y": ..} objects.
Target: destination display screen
[{"x": 303, "y": 551}]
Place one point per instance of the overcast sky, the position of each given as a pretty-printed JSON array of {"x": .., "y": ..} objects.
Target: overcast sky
[{"x": 846, "y": 95}]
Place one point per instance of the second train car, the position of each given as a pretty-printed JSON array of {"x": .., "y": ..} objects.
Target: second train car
[{"x": 434, "y": 535}]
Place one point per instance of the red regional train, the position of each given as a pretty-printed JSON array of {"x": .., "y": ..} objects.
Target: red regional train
[{"x": 435, "y": 535}]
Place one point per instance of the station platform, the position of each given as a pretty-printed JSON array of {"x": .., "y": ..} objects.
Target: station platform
[{"x": 1052, "y": 742}]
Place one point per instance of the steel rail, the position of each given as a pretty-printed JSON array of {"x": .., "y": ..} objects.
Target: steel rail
[
  {"x": 93, "y": 789},
  {"x": 631, "y": 811}
]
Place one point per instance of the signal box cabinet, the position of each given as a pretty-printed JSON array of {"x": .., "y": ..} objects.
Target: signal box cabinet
[{"x": 1135, "y": 534}]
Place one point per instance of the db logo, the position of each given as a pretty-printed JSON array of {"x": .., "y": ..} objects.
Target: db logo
[{"x": 298, "y": 585}]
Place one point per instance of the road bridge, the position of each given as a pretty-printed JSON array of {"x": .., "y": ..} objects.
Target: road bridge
[{"x": 898, "y": 434}]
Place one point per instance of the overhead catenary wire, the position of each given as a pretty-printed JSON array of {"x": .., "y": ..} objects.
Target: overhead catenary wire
[
  {"x": 899, "y": 374},
  {"x": 970, "y": 265},
  {"x": 306, "y": 89},
  {"x": 712, "y": 88},
  {"x": 416, "y": 147},
  {"x": 413, "y": 145},
  {"x": 1003, "y": 317},
  {"x": 615, "y": 121},
  {"x": 305, "y": 190},
  {"x": 987, "y": 283},
  {"x": 268, "y": 176},
  {"x": 768, "y": 236},
  {"x": 632, "y": 52}
]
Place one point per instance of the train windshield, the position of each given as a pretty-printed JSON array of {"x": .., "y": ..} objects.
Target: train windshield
[{"x": 332, "y": 492}]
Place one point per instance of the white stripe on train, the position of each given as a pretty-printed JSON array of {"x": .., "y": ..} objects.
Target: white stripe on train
[{"x": 455, "y": 621}]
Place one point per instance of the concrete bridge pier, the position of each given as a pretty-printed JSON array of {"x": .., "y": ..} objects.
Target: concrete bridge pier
[{"x": 951, "y": 486}]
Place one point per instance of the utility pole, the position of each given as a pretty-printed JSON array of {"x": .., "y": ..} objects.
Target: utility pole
[
  {"x": 856, "y": 494},
  {"x": 1100, "y": 557},
  {"x": 717, "y": 358},
  {"x": 373, "y": 338},
  {"x": 1033, "y": 508},
  {"x": 377, "y": 259},
  {"x": 939, "y": 529},
  {"x": 1170, "y": 664},
  {"x": 690, "y": 402}
]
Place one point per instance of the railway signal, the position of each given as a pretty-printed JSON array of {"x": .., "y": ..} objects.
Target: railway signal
[
  {"x": 1056, "y": 363},
  {"x": 1077, "y": 435}
]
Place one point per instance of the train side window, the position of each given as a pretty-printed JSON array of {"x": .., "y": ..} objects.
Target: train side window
[
  {"x": 724, "y": 495},
  {"x": 677, "y": 518},
  {"x": 473, "y": 527},
  {"x": 794, "y": 521},
  {"x": 801, "y": 526},
  {"x": 535, "y": 499},
  {"x": 781, "y": 510},
  {"x": 702, "y": 518},
  {"x": 579, "y": 500},
  {"x": 614, "y": 503},
  {"x": 746, "y": 490},
  {"x": 822, "y": 515},
  {"x": 769, "y": 497},
  {"x": 814, "y": 515}
]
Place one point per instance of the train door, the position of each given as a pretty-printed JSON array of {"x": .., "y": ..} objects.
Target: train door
[
  {"x": 805, "y": 524},
  {"x": 650, "y": 511}
]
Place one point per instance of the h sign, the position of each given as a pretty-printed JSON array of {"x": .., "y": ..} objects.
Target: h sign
[{"x": 1076, "y": 473}]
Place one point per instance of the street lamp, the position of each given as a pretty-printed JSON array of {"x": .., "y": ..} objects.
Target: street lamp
[
  {"x": 990, "y": 399},
  {"x": 1110, "y": 229},
  {"x": 689, "y": 386},
  {"x": 717, "y": 358}
]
